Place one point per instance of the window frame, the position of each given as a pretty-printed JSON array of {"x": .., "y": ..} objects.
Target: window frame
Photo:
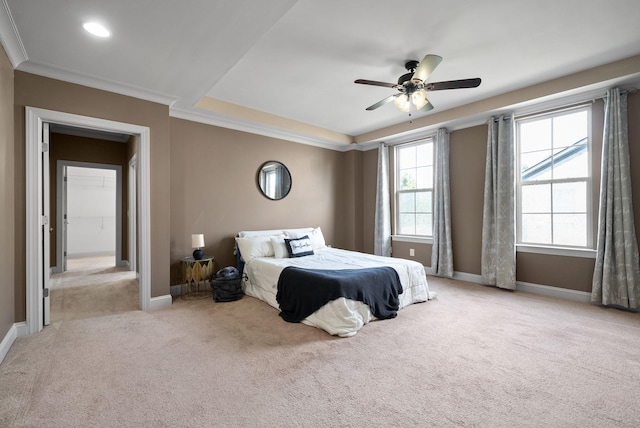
[
  {"x": 397, "y": 192},
  {"x": 550, "y": 248}
]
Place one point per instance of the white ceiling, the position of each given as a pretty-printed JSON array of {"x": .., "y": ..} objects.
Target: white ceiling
[{"x": 298, "y": 59}]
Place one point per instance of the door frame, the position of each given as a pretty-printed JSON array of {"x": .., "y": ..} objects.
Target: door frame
[
  {"x": 35, "y": 271},
  {"x": 61, "y": 215},
  {"x": 44, "y": 228},
  {"x": 132, "y": 216},
  {"x": 60, "y": 261}
]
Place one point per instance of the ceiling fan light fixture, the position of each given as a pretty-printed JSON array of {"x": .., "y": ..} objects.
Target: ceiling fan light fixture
[
  {"x": 402, "y": 103},
  {"x": 413, "y": 87},
  {"x": 419, "y": 99}
]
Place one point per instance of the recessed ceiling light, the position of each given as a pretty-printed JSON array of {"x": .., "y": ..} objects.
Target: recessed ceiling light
[{"x": 96, "y": 29}]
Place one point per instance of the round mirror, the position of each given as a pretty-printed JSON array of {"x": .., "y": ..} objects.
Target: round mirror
[{"x": 274, "y": 180}]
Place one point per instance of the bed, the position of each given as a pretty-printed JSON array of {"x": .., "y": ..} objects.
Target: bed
[{"x": 264, "y": 255}]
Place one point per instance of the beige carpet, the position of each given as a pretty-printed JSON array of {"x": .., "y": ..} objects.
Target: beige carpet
[
  {"x": 92, "y": 286},
  {"x": 473, "y": 357}
]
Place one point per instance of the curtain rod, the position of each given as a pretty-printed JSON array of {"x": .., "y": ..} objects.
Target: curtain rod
[
  {"x": 568, "y": 106},
  {"x": 426, "y": 137},
  {"x": 627, "y": 91},
  {"x": 574, "y": 104}
]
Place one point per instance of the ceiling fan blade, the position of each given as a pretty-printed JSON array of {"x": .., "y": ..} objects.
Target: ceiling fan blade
[
  {"x": 427, "y": 107},
  {"x": 382, "y": 102},
  {"x": 375, "y": 83},
  {"x": 426, "y": 67},
  {"x": 453, "y": 84}
]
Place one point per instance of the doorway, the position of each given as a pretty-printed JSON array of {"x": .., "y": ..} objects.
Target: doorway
[
  {"x": 89, "y": 212},
  {"x": 37, "y": 210},
  {"x": 90, "y": 276}
]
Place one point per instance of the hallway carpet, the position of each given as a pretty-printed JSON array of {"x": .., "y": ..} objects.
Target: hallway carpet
[{"x": 92, "y": 286}]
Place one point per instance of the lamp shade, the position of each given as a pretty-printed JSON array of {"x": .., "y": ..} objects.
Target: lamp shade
[
  {"x": 419, "y": 99},
  {"x": 402, "y": 103},
  {"x": 197, "y": 240}
]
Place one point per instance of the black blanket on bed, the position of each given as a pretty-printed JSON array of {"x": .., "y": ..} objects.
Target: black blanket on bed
[{"x": 301, "y": 292}]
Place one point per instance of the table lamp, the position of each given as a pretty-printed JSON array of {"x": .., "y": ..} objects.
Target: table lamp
[{"x": 197, "y": 242}]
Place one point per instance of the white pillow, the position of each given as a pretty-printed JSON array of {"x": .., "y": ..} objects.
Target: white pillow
[
  {"x": 315, "y": 235},
  {"x": 254, "y": 233},
  {"x": 297, "y": 233},
  {"x": 317, "y": 239},
  {"x": 279, "y": 247},
  {"x": 255, "y": 246}
]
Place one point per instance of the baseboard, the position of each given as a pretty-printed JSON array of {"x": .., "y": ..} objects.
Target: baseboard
[
  {"x": 544, "y": 290},
  {"x": 160, "y": 302},
  {"x": 469, "y": 277},
  {"x": 560, "y": 293},
  {"x": 91, "y": 254},
  {"x": 16, "y": 330}
]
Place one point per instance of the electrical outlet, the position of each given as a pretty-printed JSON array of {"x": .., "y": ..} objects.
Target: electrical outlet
[{"x": 412, "y": 252}]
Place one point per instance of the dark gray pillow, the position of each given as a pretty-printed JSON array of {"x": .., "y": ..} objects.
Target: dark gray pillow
[{"x": 299, "y": 247}]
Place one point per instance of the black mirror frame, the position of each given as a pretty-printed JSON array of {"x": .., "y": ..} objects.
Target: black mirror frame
[{"x": 259, "y": 181}]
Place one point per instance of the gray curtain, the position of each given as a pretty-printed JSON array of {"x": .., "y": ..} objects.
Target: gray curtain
[
  {"x": 616, "y": 277},
  {"x": 382, "y": 231},
  {"x": 498, "y": 260},
  {"x": 441, "y": 255}
]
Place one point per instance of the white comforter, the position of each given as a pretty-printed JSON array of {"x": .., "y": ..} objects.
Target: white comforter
[{"x": 342, "y": 317}]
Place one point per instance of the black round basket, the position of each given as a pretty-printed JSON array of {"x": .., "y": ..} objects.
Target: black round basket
[{"x": 226, "y": 290}]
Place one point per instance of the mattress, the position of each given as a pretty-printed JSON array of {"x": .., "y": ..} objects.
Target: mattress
[{"x": 341, "y": 317}]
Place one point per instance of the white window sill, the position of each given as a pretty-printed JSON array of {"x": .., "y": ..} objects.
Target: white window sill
[
  {"x": 557, "y": 251},
  {"x": 415, "y": 239}
]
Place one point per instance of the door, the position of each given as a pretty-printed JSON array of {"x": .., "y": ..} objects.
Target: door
[
  {"x": 46, "y": 228},
  {"x": 65, "y": 218}
]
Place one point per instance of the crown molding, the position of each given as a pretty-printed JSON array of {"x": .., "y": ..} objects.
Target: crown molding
[
  {"x": 10, "y": 38},
  {"x": 257, "y": 128},
  {"x": 182, "y": 113},
  {"x": 96, "y": 83}
]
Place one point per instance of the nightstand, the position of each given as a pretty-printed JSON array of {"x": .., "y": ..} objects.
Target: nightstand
[{"x": 195, "y": 272}]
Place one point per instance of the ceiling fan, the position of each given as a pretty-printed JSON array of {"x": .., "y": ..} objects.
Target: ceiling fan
[{"x": 413, "y": 88}]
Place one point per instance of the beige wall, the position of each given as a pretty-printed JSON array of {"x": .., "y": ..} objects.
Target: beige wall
[
  {"x": 214, "y": 190},
  {"x": 42, "y": 92},
  {"x": 350, "y": 194},
  {"x": 83, "y": 149},
  {"x": 7, "y": 225},
  {"x": 369, "y": 189},
  {"x": 468, "y": 151}
]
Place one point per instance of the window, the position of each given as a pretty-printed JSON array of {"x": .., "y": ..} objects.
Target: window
[
  {"x": 414, "y": 188},
  {"x": 270, "y": 180},
  {"x": 554, "y": 179}
]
